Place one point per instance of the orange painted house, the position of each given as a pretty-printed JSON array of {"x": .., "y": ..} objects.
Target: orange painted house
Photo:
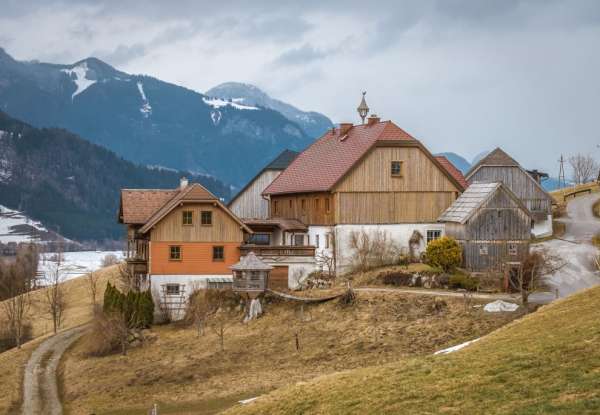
[{"x": 180, "y": 240}]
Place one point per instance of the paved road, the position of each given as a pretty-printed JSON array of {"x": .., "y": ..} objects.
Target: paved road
[
  {"x": 575, "y": 249},
  {"x": 40, "y": 391}
]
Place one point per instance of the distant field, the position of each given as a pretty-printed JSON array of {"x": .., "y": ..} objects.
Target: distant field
[
  {"x": 547, "y": 362},
  {"x": 559, "y": 195}
]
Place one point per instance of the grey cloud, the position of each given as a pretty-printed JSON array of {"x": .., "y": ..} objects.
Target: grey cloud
[
  {"x": 303, "y": 55},
  {"x": 122, "y": 54}
]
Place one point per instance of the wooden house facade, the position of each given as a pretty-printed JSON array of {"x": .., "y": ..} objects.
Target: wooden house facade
[
  {"x": 492, "y": 225},
  {"x": 498, "y": 166}
]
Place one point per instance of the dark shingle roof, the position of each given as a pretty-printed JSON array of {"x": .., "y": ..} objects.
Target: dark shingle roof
[{"x": 282, "y": 160}]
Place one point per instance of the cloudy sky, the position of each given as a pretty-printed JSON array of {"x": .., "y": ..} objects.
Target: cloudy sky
[{"x": 462, "y": 76}]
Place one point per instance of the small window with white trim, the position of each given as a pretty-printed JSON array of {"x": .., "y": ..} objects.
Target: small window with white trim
[
  {"x": 433, "y": 234},
  {"x": 483, "y": 250},
  {"x": 513, "y": 249},
  {"x": 172, "y": 289}
]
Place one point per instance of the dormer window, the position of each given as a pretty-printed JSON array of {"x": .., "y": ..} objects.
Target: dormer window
[{"x": 396, "y": 168}]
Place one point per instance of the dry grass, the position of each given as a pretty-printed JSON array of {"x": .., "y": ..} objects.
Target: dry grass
[
  {"x": 547, "y": 362},
  {"x": 78, "y": 311},
  {"x": 369, "y": 278},
  {"x": 559, "y": 195},
  {"x": 181, "y": 370}
]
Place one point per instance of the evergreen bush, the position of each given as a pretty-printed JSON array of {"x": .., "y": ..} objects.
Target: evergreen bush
[
  {"x": 444, "y": 253},
  {"x": 136, "y": 307}
]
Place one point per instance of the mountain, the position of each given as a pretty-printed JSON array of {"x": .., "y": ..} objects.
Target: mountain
[
  {"x": 146, "y": 120},
  {"x": 479, "y": 157},
  {"x": 313, "y": 123},
  {"x": 71, "y": 185},
  {"x": 459, "y": 162}
]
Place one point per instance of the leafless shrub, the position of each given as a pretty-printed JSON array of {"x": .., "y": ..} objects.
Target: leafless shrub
[
  {"x": 531, "y": 273},
  {"x": 109, "y": 260},
  {"x": 54, "y": 295},
  {"x": 372, "y": 249},
  {"x": 348, "y": 298},
  {"x": 92, "y": 279},
  {"x": 584, "y": 168},
  {"x": 104, "y": 338}
]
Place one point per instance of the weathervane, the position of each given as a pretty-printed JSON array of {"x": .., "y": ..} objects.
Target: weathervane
[{"x": 363, "y": 108}]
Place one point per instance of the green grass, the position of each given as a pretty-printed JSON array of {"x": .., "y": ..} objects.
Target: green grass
[{"x": 546, "y": 363}]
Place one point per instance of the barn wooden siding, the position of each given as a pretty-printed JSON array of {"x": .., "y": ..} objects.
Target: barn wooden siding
[
  {"x": 522, "y": 185},
  {"x": 250, "y": 203},
  {"x": 497, "y": 256},
  {"x": 315, "y": 210},
  {"x": 223, "y": 228}
]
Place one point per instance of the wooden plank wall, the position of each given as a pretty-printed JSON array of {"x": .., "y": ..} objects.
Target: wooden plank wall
[
  {"x": 521, "y": 184},
  {"x": 499, "y": 219},
  {"x": 251, "y": 204},
  {"x": 314, "y": 212},
  {"x": 223, "y": 228},
  {"x": 392, "y": 207},
  {"x": 373, "y": 174},
  {"x": 497, "y": 254}
]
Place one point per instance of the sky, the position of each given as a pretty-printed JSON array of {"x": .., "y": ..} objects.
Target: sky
[{"x": 461, "y": 76}]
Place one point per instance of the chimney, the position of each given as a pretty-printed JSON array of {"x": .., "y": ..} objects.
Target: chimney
[
  {"x": 373, "y": 119},
  {"x": 183, "y": 182},
  {"x": 344, "y": 128}
]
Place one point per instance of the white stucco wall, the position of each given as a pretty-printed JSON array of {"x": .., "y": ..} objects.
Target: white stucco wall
[{"x": 542, "y": 229}]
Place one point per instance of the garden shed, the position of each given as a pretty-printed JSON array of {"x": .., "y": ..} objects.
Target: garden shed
[
  {"x": 492, "y": 225},
  {"x": 250, "y": 275}
]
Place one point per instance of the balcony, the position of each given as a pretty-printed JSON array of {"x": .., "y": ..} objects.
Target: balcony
[
  {"x": 278, "y": 250},
  {"x": 137, "y": 250}
]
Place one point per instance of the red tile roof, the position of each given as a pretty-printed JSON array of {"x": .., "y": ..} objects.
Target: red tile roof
[
  {"x": 322, "y": 165},
  {"x": 454, "y": 172},
  {"x": 138, "y": 205}
]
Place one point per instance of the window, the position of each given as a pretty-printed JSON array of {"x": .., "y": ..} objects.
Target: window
[
  {"x": 317, "y": 204},
  {"x": 218, "y": 285},
  {"x": 291, "y": 204},
  {"x": 299, "y": 240},
  {"x": 187, "y": 217},
  {"x": 206, "y": 217},
  {"x": 175, "y": 253},
  {"x": 513, "y": 249},
  {"x": 317, "y": 241},
  {"x": 218, "y": 253},
  {"x": 260, "y": 239},
  {"x": 396, "y": 168},
  {"x": 433, "y": 234},
  {"x": 327, "y": 204},
  {"x": 327, "y": 236},
  {"x": 483, "y": 249},
  {"x": 172, "y": 289},
  {"x": 303, "y": 204},
  {"x": 275, "y": 207}
]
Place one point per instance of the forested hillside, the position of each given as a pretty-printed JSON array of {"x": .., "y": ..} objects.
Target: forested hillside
[{"x": 72, "y": 185}]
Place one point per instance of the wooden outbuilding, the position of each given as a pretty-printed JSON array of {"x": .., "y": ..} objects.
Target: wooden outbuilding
[
  {"x": 250, "y": 275},
  {"x": 493, "y": 226}
]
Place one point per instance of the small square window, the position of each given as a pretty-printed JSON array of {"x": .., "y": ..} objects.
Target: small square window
[
  {"x": 483, "y": 249},
  {"x": 513, "y": 249},
  {"x": 206, "y": 217},
  {"x": 172, "y": 289},
  {"x": 187, "y": 216},
  {"x": 433, "y": 234},
  {"x": 396, "y": 168},
  {"x": 218, "y": 253},
  {"x": 299, "y": 240},
  {"x": 175, "y": 253}
]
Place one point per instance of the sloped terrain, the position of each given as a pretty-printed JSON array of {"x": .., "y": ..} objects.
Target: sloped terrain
[{"x": 547, "y": 362}]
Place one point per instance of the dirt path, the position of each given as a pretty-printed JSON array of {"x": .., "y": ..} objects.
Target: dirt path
[
  {"x": 40, "y": 389},
  {"x": 440, "y": 293},
  {"x": 575, "y": 248}
]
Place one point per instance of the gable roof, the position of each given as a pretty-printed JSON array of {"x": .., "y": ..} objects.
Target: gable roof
[
  {"x": 497, "y": 157},
  {"x": 476, "y": 195},
  {"x": 281, "y": 162},
  {"x": 191, "y": 193},
  {"x": 251, "y": 262},
  {"x": 454, "y": 172},
  {"x": 324, "y": 163},
  {"x": 138, "y": 205}
]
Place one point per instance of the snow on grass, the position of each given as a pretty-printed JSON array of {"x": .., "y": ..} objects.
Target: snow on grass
[
  {"x": 75, "y": 264},
  {"x": 17, "y": 227},
  {"x": 146, "y": 108},
  {"x": 456, "y": 348},
  {"x": 82, "y": 83},
  {"x": 219, "y": 103}
]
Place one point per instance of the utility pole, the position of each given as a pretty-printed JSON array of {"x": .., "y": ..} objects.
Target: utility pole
[{"x": 561, "y": 173}]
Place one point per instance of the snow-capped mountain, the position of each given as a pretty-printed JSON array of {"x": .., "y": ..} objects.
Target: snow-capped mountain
[
  {"x": 17, "y": 227},
  {"x": 146, "y": 120},
  {"x": 313, "y": 123}
]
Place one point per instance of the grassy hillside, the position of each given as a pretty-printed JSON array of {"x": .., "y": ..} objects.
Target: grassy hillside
[
  {"x": 547, "y": 362},
  {"x": 78, "y": 311},
  {"x": 559, "y": 195},
  {"x": 186, "y": 373}
]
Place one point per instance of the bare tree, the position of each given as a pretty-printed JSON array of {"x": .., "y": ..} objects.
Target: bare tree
[
  {"x": 584, "y": 168},
  {"x": 92, "y": 279},
  {"x": 54, "y": 292},
  {"x": 530, "y": 276},
  {"x": 110, "y": 259},
  {"x": 372, "y": 249},
  {"x": 220, "y": 309}
]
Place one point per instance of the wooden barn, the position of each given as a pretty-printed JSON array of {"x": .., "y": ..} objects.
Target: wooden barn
[
  {"x": 500, "y": 167},
  {"x": 493, "y": 226}
]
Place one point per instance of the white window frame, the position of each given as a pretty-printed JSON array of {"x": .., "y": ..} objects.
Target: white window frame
[{"x": 433, "y": 238}]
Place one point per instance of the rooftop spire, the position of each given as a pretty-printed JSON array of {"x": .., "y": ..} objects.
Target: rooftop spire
[{"x": 363, "y": 108}]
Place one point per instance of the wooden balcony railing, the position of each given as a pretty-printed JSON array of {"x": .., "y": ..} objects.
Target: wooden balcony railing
[
  {"x": 137, "y": 250},
  {"x": 278, "y": 250}
]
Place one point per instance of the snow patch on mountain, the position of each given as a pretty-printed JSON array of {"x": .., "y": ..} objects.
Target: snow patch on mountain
[
  {"x": 146, "y": 108},
  {"x": 219, "y": 103},
  {"x": 16, "y": 227},
  {"x": 216, "y": 116},
  {"x": 78, "y": 75}
]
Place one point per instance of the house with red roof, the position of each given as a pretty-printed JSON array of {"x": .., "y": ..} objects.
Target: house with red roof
[{"x": 369, "y": 177}]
